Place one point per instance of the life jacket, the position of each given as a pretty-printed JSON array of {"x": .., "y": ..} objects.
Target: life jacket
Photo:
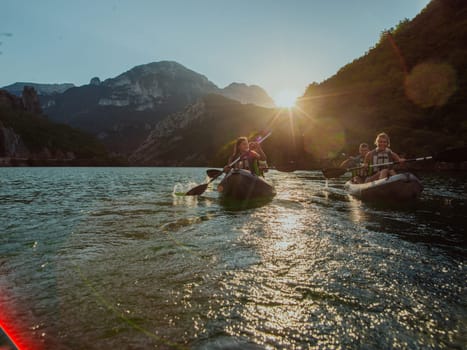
[
  {"x": 380, "y": 157},
  {"x": 358, "y": 161},
  {"x": 248, "y": 162}
]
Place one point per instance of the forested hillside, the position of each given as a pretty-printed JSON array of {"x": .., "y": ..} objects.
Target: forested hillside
[
  {"x": 204, "y": 134},
  {"x": 412, "y": 85}
]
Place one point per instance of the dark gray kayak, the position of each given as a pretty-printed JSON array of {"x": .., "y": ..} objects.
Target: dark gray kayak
[
  {"x": 243, "y": 185},
  {"x": 400, "y": 187}
]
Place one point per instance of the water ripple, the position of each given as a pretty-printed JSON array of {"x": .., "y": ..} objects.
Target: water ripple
[{"x": 113, "y": 257}]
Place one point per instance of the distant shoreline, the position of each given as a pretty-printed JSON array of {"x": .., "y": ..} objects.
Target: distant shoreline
[
  {"x": 8, "y": 162},
  {"x": 54, "y": 162}
]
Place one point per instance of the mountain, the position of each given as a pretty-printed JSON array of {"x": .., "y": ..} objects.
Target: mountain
[
  {"x": 41, "y": 89},
  {"x": 161, "y": 83},
  {"x": 411, "y": 84},
  {"x": 243, "y": 93},
  {"x": 121, "y": 111}
]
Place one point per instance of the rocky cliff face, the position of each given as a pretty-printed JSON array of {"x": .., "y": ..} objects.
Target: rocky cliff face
[
  {"x": 148, "y": 86},
  {"x": 166, "y": 135},
  {"x": 11, "y": 144},
  {"x": 31, "y": 100},
  {"x": 10, "y": 101},
  {"x": 28, "y": 101}
]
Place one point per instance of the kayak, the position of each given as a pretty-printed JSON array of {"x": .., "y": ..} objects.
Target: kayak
[
  {"x": 241, "y": 184},
  {"x": 399, "y": 187}
]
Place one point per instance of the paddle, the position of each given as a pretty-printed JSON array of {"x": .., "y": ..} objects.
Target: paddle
[
  {"x": 198, "y": 190},
  {"x": 213, "y": 172},
  {"x": 453, "y": 155}
]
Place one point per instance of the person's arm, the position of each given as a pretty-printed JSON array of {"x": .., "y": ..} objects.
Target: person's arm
[
  {"x": 227, "y": 167},
  {"x": 397, "y": 158},
  {"x": 254, "y": 154},
  {"x": 256, "y": 147}
]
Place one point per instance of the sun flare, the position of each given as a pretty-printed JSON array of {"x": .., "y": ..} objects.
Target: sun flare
[{"x": 286, "y": 98}]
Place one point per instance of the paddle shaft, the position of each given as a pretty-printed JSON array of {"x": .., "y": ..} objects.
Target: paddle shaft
[
  {"x": 390, "y": 163},
  {"x": 336, "y": 172}
]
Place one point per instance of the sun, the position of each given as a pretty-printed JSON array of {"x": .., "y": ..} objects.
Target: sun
[{"x": 286, "y": 98}]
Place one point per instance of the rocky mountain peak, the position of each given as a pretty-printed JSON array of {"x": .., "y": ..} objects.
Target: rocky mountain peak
[
  {"x": 149, "y": 85},
  {"x": 95, "y": 81},
  {"x": 29, "y": 100},
  {"x": 248, "y": 94}
]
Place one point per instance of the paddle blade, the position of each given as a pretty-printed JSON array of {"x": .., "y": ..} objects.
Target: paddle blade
[
  {"x": 214, "y": 172},
  {"x": 454, "y": 155},
  {"x": 198, "y": 190},
  {"x": 330, "y": 173},
  {"x": 287, "y": 167}
]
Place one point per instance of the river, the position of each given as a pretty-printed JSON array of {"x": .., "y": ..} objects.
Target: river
[{"x": 112, "y": 258}]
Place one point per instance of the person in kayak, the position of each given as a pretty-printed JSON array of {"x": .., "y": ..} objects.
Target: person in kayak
[
  {"x": 358, "y": 175},
  {"x": 380, "y": 155},
  {"x": 250, "y": 153},
  {"x": 260, "y": 165}
]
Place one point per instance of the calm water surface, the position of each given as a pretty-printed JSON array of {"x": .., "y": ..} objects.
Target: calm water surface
[{"x": 110, "y": 258}]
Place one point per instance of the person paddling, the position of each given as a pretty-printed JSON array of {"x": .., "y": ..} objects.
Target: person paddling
[
  {"x": 358, "y": 175},
  {"x": 249, "y": 153},
  {"x": 382, "y": 154},
  {"x": 260, "y": 166}
]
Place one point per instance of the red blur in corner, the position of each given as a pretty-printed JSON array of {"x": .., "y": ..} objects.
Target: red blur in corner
[
  {"x": 10, "y": 328},
  {"x": 11, "y": 343}
]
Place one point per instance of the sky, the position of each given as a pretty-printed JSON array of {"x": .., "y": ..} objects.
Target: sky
[{"x": 280, "y": 45}]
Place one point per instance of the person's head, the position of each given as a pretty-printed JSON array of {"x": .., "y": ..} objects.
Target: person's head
[
  {"x": 241, "y": 145},
  {"x": 363, "y": 149},
  {"x": 382, "y": 141}
]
